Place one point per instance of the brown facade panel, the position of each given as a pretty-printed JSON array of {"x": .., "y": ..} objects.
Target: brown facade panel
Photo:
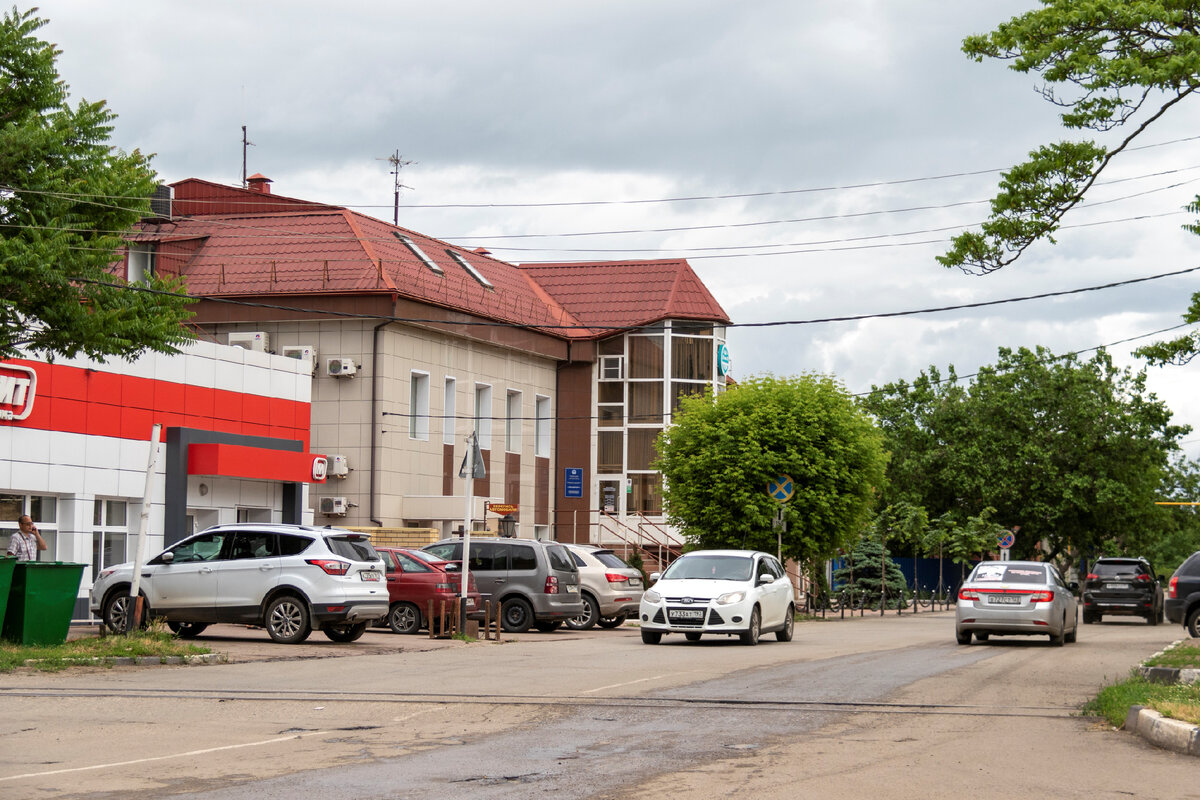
[
  {"x": 483, "y": 486},
  {"x": 573, "y": 442},
  {"x": 448, "y": 472},
  {"x": 541, "y": 491},
  {"x": 512, "y": 478}
]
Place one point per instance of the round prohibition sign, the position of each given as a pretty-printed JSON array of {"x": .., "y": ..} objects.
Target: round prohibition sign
[
  {"x": 781, "y": 488},
  {"x": 1006, "y": 540}
]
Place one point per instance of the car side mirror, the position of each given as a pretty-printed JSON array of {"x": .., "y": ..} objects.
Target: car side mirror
[
  {"x": 1073, "y": 586},
  {"x": 766, "y": 579},
  {"x": 167, "y": 557},
  {"x": 453, "y": 566},
  {"x": 654, "y": 576}
]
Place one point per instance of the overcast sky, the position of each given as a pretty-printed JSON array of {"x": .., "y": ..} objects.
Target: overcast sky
[{"x": 867, "y": 136}]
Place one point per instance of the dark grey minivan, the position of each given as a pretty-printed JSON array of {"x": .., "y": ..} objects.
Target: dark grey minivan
[{"x": 536, "y": 583}]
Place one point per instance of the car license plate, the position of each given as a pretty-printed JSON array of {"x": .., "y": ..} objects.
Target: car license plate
[
  {"x": 682, "y": 614},
  {"x": 635, "y": 581},
  {"x": 470, "y": 602},
  {"x": 1004, "y": 599},
  {"x": 572, "y": 589},
  {"x": 370, "y": 575},
  {"x": 1116, "y": 586}
]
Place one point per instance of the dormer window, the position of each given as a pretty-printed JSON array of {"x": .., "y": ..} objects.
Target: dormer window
[
  {"x": 141, "y": 263},
  {"x": 419, "y": 253},
  {"x": 470, "y": 268}
]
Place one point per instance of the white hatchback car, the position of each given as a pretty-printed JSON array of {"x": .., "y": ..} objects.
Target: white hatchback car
[
  {"x": 742, "y": 593},
  {"x": 289, "y": 579}
]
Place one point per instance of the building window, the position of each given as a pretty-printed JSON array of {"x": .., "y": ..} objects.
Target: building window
[
  {"x": 110, "y": 534},
  {"x": 483, "y": 415},
  {"x": 512, "y": 422},
  {"x": 541, "y": 433},
  {"x": 645, "y": 495},
  {"x": 42, "y": 509},
  {"x": 680, "y": 390},
  {"x": 418, "y": 406},
  {"x": 691, "y": 359},
  {"x": 141, "y": 263},
  {"x": 642, "y": 450},
  {"x": 645, "y": 356},
  {"x": 448, "y": 411},
  {"x": 612, "y": 368},
  {"x": 610, "y": 455},
  {"x": 419, "y": 253},
  {"x": 645, "y": 402}
]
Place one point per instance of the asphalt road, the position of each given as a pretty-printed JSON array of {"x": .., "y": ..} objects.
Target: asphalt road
[{"x": 851, "y": 708}]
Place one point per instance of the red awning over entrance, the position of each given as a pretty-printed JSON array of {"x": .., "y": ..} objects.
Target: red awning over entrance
[{"x": 240, "y": 461}]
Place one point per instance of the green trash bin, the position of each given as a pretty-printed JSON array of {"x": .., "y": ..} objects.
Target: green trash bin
[
  {"x": 6, "y": 573},
  {"x": 41, "y": 601}
]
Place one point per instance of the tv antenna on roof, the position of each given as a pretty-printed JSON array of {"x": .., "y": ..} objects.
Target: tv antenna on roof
[
  {"x": 245, "y": 143},
  {"x": 398, "y": 163}
]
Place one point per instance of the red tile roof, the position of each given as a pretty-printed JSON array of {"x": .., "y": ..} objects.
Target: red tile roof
[{"x": 230, "y": 242}]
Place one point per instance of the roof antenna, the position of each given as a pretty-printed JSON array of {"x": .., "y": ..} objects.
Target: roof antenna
[
  {"x": 398, "y": 163},
  {"x": 245, "y": 143}
]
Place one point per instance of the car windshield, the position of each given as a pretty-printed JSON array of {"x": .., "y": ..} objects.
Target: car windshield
[
  {"x": 559, "y": 559},
  {"x": 353, "y": 546},
  {"x": 712, "y": 568},
  {"x": 1005, "y": 573}
]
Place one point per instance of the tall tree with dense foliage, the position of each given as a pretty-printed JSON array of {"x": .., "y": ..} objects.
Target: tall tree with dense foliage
[
  {"x": 1110, "y": 65},
  {"x": 719, "y": 455},
  {"x": 66, "y": 197},
  {"x": 1074, "y": 452}
]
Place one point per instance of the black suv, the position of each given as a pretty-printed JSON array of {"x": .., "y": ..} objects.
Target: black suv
[
  {"x": 1122, "y": 586},
  {"x": 1183, "y": 595}
]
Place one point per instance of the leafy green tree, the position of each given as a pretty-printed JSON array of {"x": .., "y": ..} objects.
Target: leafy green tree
[
  {"x": 719, "y": 455},
  {"x": 66, "y": 197},
  {"x": 1109, "y": 64},
  {"x": 968, "y": 542},
  {"x": 861, "y": 569},
  {"x": 1074, "y": 452},
  {"x": 904, "y": 524}
]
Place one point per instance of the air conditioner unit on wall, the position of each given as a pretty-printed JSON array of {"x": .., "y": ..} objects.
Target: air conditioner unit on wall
[
  {"x": 338, "y": 467},
  {"x": 334, "y": 506},
  {"x": 340, "y": 367},
  {"x": 258, "y": 341},
  {"x": 301, "y": 352}
]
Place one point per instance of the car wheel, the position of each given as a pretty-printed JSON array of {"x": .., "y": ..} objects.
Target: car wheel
[
  {"x": 187, "y": 630},
  {"x": 117, "y": 611},
  {"x": 963, "y": 637},
  {"x": 1193, "y": 623},
  {"x": 589, "y": 617},
  {"x": 651, "y": 637},
  {"x": 1162, "y": 615},
  {"x": 1060, "y": 638},
  {"x": 1070, "y": 636},
  {"x": 983, "y": 637},
  {"x": 611, "y": 622},
  {"x": 1088, "y": 618},
  {"x": 750, "y": 637},
  {"x": 404, "y": 618},
  {"x": 1152, "y": 618},
  {"x": 287, "y": 620},
  {"x": 547, "y": 626},
  {"x": 692, "y": 636},
  {"x": 789, "y": 626},
  {"x": 515, "y": 615},
  {"x": 346, "y": 633}
]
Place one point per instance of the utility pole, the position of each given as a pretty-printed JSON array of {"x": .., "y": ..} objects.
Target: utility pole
[{"x": 398, "y": 163}]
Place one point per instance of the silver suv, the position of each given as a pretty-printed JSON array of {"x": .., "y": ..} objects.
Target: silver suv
[
  {"x": 612, "y": 590},
  {"x": 535, "y": 583},
  {"x": 288, "y": 579}
]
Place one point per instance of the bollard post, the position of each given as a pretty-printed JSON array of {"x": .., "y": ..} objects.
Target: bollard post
[{"x": 429, "y": 617}]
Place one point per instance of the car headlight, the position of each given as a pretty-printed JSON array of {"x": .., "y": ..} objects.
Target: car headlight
[
  {"x": 731, "y": 597},
  {"x": 652, "y": 596}
]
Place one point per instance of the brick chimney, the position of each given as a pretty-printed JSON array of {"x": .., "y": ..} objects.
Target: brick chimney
[{"x": 259, "y": 183}]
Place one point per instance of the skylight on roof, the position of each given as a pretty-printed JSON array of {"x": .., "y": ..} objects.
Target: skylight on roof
[
  {"x": 418, "y": 252},
  {"x": 470, "y": 268}
]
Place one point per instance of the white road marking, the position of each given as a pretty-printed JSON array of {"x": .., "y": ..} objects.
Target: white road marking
[
  {"x": 627, "y": 683},
  {"x": 163, "y": 758}
]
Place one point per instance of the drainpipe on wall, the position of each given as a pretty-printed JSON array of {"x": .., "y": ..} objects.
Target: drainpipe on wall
[{"x": 375, "y": 416}]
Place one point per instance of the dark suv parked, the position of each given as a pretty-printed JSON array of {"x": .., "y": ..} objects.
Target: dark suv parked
[
  {"x": 1122, "y": 586},
  {"x": 1183, "y": 595}
]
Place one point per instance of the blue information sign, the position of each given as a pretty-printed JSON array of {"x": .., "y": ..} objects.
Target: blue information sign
[{"x": 573, "y": 482}]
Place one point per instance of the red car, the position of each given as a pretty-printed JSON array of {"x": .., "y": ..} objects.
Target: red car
[{"x": 413, "y": 581}]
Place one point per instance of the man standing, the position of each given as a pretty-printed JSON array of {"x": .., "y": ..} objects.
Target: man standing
[{"x": 26, "y": 542}]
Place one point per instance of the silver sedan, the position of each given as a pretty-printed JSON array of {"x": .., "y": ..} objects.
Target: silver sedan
[{"x": 1021, "y": 598}]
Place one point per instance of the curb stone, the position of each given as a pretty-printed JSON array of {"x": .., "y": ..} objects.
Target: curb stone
[
  {"x": 142, "y": 661},
  {"x": 1164, "y": 732}
]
